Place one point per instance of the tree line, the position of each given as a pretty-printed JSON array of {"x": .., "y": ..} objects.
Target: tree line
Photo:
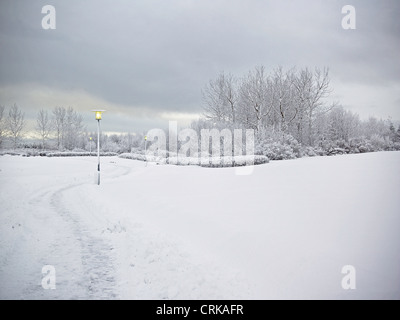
[
  {"x": 290, "y": 107},
  {"x": 65, "y": 124},
  {"x": 287, "y": 109},
  {"x": 285, "y": 101},
  {"x": 60, "y": 129}
]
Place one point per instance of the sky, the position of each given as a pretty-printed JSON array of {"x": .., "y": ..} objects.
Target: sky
[{"x": 147, "y": 61}]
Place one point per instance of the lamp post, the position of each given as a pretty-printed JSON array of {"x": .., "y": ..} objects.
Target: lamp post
[{"x": 98, "y": 118}]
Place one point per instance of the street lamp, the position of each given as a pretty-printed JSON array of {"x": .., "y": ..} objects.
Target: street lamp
[{"x": 98, "y": 118}]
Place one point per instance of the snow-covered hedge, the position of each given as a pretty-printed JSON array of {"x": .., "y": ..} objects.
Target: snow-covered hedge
[
  {"x": 23, "y": 153},
  {"x": 34, "y": 153},
  {"x": 211, "y": 162},
  {"x": 360, "y": 145},
  {"x": 142, "y": 157},
  {"x": 220, "y": 162},
  {"x": 77, "y": 154},
  {"x": 291, "y": 149}
]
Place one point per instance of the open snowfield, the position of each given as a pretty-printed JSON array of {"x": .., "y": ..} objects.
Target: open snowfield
[{"x": 168, "y": 232}]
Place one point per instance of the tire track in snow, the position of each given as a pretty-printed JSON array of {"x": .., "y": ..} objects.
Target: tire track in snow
[
  {"x": 97, "y": 257},
  {"x": 98, "y": 278},
  {"x": 83, "y": 261},
  {"x": 43, "y": 230}
]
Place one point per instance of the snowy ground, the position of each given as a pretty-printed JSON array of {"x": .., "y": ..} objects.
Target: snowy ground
[{"x": 167, "y": 232}]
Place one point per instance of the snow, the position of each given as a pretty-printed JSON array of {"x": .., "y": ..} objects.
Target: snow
[
  {"x": 210, "y": 162},
  {"x": 187, "y": 232}
]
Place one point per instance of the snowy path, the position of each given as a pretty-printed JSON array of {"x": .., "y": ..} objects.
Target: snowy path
[
  {"x": 39, "y": 229},
  {"x": 97, "y": 265},
  {"x": 166, "y": 232},
  {"x": 55, "y": 215}
]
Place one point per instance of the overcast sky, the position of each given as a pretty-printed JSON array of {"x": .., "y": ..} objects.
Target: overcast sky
[{"x": 146, "y": 61}]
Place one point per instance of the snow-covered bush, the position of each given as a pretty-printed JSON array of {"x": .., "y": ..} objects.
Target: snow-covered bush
[
  {"x": 184, "y": 161},
  {"x": 237, "y": 161},
  {"x": 113, "y": 146},
  {"x": 78, "y": 154},
  {"x": 309, "y": 152},
  {"x": 276, "y": 151},
  {"x": 22, "y": 152},
  {"x": 294, "y": 145},
  {"x": 319, "y": 151},
  {"x": 378, "y": 143},
  {"x": 8, "y": 152},
  {"x": 335, "y": 151},
  {"x": 276, "y": 147},
  {"x": 210, "y": 162},
  {"x": 142, "y": 157}
]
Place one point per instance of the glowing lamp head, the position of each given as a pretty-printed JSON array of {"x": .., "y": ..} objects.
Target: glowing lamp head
[{"x": 98, "y": 113}]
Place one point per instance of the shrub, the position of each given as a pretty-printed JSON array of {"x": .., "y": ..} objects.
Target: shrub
[
  {"x": 77, "y": 154},
  {"x": 210, "y": 162}
]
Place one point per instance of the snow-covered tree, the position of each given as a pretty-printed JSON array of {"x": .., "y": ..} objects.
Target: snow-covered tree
[
  {"x": 2, "y": 125},
  {"x": 282, "y": 96},
  {"x": 314, "y": 102},
  {"x": 72, "y": 129},
  {"x": 253, "y": 96},
  {"x": 69, "y": 127},
  {"x": 392, "y": 132},
  {"x": 343, "y": 124},
  {"x": 59, "y": 114},
  {"x": 398, "y": 134},
  {"x": 15, "y": 124},
  {"x": 220, "y": 99},
  {"x": 373, "y": 126},
  {"x": 43, "y": 126}
]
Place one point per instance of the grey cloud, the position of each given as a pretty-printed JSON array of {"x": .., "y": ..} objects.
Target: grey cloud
[{"x": 159, "y": 54}]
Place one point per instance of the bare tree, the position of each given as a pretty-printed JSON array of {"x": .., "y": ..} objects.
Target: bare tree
[
  {"x": 303, "y": 83},
  {"x": 231, "y": 96},
  {"x": 284, "y": 101},
  {"x": 220, "y": 99},
  {"x": 314, "y": 99},
  {"x": 255, "y": 106},
  {"x": 59, "y": 114},
  {"x": 43, "y": 126},
  {"x": 15, "y": 124},
  {"x": 283, "y": 97},
  {"x": 373, "y": 126},
  {"x": 2, "y": 125},
  {"x": 214, "y": 108},
  {"x": 73, "y": 127}
]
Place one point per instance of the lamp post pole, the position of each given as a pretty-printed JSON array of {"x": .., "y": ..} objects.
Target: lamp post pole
[
  {"x": 98, "y": 118},
  {"x": 98, "y": 151}
]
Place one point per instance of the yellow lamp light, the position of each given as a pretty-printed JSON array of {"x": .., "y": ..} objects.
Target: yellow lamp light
[{"x": 98, "y": 113}]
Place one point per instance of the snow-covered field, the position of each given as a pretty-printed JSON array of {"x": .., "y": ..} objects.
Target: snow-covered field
[{"x": 168, "y": 232}]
